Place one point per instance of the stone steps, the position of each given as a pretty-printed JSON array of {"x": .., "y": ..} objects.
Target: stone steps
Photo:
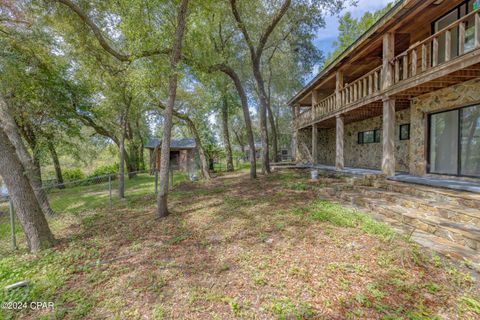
[
  {"x": 452, "y": 197},
  {"x": 442, "y": 209},
  {"x": 458, "y": 232}
]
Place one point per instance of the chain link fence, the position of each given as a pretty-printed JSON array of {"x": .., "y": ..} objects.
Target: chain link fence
[{"x": 87, "y": 194}]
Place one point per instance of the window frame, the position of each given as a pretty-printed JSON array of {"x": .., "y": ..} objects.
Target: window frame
[
  {"x": 375, "y": 134},
  {"x": 400, "y": 132}
]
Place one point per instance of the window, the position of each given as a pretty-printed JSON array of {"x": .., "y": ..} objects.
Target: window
[
  {"x": 454, "y": 142},
  {"x": 284, "y": 152},
  {"x": 372, "y": 136},
  {"x": 405, "y": 131}
]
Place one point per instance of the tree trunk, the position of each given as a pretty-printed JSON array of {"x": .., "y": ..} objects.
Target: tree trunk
[
  {"x": 226, "y": 136},
  {"x": 33, "y": 172},
  {"x": 201, "y": 151},
  {"x": 246, "y": 114},
  {"x": 56, "y": 164},
  {"x": 273, "y": 128},
  {"x": 263, "y": 116},
  {"x": 29, "y": 212},
  {"x": 121, "y": 164},
  {"x": 162, "y": 204}
]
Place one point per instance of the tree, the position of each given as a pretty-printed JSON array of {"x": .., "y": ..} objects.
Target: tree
[
  {"x": 32, "y": 219},
  {"x": 162, "y": 206},
  {"x": 350, "y": 29},
  {"x": 225, "y": 131}
]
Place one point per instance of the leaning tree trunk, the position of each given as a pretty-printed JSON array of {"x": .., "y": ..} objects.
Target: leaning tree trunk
[
  {"x": 246, "y": 114},
  {"x": 273, "y": 127},
  {"x": 33, "y": 172},
  {"x": 29, "y": 212},
  {"x": 226, "y": 136},
  {"x": 162, "y": 204},
  {"x": 56, "y": 165},
  {"x": 201, "y": 151}
]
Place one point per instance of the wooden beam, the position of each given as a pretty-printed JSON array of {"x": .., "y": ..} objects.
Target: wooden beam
[{"x": 388, "y": 56}]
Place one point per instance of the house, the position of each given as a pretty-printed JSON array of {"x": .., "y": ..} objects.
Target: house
[
  {"x": 182, "y": 154},
  {"x": 402, "y": 104},
  {"x": 404, "y": 98}
]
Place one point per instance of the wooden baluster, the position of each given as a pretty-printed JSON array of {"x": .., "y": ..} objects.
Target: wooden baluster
[
  {"x": 405, "y": 67},
  {"x": 355, "y": 92},
  {"x": 370, "y": 84},
  {"x": 365, "y": 87},
  {"x": 477, "y": 30},
  {"x": 448, "y": 45},
  {"x": 397, "y": 71},
  {"x": 414, "y": 62},
  {"x": 424, "y": 57},
  {"x": 461, "y": 38},
  {"x": 375, "y": 81},
  {"x": 435, "y": 52}
]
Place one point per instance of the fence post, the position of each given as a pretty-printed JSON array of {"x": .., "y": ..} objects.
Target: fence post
[
  {"x": 110, "y": 189},
  {"x": 12, "y": 224},
  {"x": 156, "y": 182}
]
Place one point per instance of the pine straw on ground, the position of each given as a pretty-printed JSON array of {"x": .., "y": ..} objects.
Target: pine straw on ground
[{"x": 236, "y": 248}]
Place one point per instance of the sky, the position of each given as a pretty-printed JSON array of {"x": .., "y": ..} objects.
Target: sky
[{"x": 327, "y": 36}]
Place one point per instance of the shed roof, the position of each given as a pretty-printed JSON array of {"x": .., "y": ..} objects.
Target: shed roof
[{"x": 174, "y": 143}]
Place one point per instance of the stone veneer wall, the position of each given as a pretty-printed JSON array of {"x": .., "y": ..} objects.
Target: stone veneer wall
[
  {"x": 441, "y": 100},
  {"x": 326, "y": 146},
  {"x": 304, "y": 145},
  {"x": 370, "y": 155},
  {"x": 356, "y": 155}
]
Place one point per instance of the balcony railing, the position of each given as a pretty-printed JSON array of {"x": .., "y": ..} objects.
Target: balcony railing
[
  {"x": 362, "y": 87},
  {"x": 325, "y": 106},
  {"x": 421, "y": 57},
  {"x": 304, "y": 118},
  {"x": 426, "y": 54}
]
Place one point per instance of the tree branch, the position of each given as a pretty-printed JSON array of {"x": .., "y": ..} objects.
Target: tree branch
[{"x": 103, "y": 41}]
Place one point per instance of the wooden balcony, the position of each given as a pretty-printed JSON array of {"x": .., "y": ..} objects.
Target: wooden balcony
[{"x": 422, "y": 68}]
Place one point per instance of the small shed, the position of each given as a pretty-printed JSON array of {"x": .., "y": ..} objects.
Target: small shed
[{"x": 182, "y": 154}]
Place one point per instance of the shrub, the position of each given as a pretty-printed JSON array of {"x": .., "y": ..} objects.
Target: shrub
[
  {"x": 105, "y": 170},
  {"x": 72, "y": 174}
]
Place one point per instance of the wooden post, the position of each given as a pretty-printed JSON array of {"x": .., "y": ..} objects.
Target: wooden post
[
  {"x": 388, "y": 160},
  {"x": 414, "y": 62},
  {"x": 338, "y": 89},
  {"x": 12, "y": 225},
  {"x": 388, "y": 56},
  {"x": 314, "y": 144},
  {"x": 375, "y": 81},
  {"x": 461, "y": 38},
  {"x": 405, "y": 67},
  {"x": 435, "y": 52},
  {"x": 314, "y": 102},
  {"x": 339, "y": 159},
  {"x": 477, "y": 30},
  {"x": 448, "y": 45},
  {"x": 424, "y": 57},
  {"x": 397, "y": 71}
]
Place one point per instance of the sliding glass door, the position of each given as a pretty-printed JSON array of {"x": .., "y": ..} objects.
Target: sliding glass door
[{"x": 454, "y": 142}]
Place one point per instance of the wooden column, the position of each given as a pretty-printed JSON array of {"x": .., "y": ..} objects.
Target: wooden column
[
  {"x": 388, "y": 56},
  {"x": 314, "y": 144},
  {"x": 388, "y": 160},
  {"x": 339, "y": 160},
  {"x": 294, "y": 135},
  {"x": 338, "y": 88},
  {"x": 314, "y": 102}
]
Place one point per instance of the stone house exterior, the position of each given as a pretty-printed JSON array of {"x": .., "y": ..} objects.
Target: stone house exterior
[{"x": 405, "y": 97}]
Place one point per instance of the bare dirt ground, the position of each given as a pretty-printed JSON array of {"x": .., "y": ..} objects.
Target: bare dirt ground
[{"x": 236, "y": 248}]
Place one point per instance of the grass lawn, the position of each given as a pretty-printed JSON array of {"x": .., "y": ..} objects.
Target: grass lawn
[{"x": 232, "y": 248}]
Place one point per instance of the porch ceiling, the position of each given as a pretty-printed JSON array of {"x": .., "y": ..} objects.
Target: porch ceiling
[{"x": 368, "y": 111}]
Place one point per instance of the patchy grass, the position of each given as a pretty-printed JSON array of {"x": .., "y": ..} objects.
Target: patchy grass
[{"x": 232, "y": 248}]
